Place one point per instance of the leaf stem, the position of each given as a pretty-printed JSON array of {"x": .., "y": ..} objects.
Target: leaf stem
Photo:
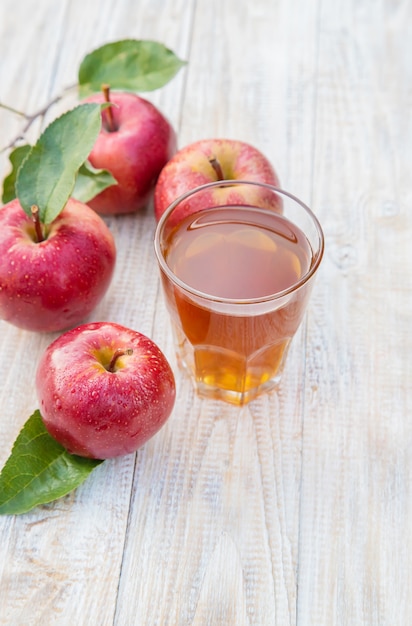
[
  {"x": 13, "y": 110},
  {"x": 111, "y": 125},
  {"x": 37, "y": 223}
]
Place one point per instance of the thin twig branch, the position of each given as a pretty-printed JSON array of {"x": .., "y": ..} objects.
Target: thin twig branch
[{"x": 30, "y": 118}]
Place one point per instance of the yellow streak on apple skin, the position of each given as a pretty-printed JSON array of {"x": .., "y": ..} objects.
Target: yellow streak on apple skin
[
  {"x": 225, "y": 154},
  {"x": 104, "y": 357},
  {"x": 97, "y": 358}
]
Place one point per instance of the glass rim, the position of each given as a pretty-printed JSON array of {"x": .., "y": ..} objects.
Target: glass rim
[{"x": 238, "y": 301}]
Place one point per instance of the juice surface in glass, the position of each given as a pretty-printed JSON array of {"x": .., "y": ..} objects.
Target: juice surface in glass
[{"x": 229, "y": 262}]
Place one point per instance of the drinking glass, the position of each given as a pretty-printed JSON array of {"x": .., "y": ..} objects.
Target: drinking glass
[{"x": 237, "y": 263}]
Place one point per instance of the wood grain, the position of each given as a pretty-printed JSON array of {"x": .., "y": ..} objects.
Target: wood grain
[{"x": 294, "y": 510}]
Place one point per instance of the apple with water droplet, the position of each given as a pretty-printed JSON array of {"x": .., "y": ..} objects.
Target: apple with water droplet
[
  {"x": 212, "y": 160},
  {"x": 134, "y": 143},
  {"x": 53, "y": 275},
  {"x": 104, "y": 389}
]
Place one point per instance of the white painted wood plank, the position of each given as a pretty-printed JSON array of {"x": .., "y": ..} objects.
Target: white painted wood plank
[
  {"x": 66, "y": 570},
  {"x": 234, "y": 490},
  {"x": 355, "y": 532}
]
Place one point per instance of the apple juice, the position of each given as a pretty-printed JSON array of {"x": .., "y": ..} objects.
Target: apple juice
[{"x": 236, "y": 303}]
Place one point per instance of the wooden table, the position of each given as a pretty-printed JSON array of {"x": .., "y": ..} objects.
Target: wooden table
[{"x": 296, "y": 509}]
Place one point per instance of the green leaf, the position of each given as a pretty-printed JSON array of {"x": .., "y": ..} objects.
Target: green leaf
[
  {"x": 130, "y": 65},
  {"x": 90, "y": 182},
  {"x": 47, "y": 175},
  {"x": 39, "y": 470},
  {"x": 9, "y": 184}
]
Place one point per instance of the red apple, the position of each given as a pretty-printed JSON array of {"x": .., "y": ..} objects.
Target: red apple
[
  {"x": 53, "y": 284},
  {"x": 134, "y": 143},
  {"x": 104, "y": 390},
  {"x": 210, "y": 160}
]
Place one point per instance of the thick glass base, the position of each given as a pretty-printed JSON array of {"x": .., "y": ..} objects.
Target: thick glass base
[
  {"x": 236, "y": 397},
  {"x": 224, "y": 375}
]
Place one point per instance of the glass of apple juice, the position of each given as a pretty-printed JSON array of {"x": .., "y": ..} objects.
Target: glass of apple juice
[{"x": 237, "y": 262}]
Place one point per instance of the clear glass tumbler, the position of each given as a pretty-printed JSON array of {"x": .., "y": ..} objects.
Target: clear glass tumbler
[{"x": 237, "y": 261}]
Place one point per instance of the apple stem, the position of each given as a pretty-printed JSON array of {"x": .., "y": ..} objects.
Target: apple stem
[
  {"x": 37, "y": 223},
  {"x": 217, "y": 167},
  {"x": 111, "y": 125},
  {"x": 117, "y": 354}
]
